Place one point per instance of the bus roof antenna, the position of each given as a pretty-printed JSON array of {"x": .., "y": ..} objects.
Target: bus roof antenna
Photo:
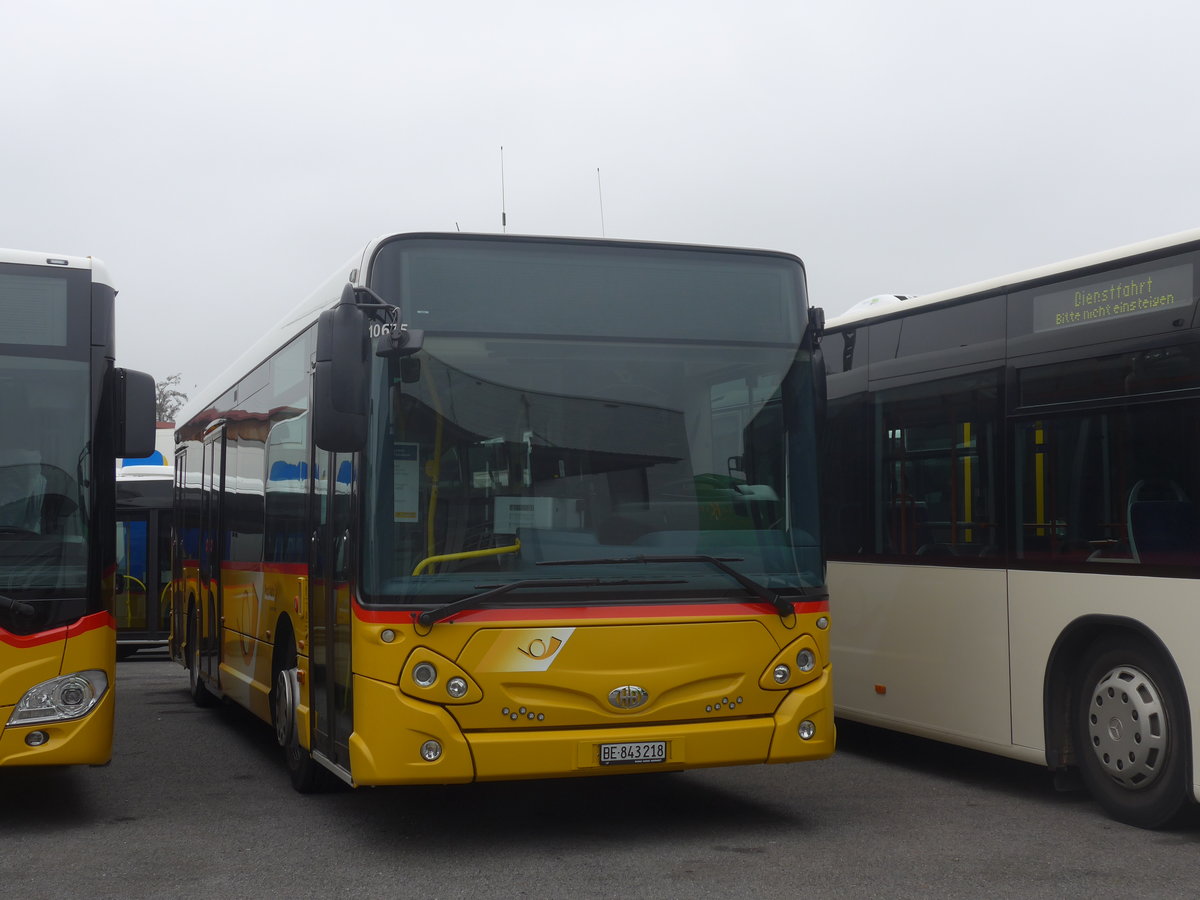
[{"x": 600, "y": 194}]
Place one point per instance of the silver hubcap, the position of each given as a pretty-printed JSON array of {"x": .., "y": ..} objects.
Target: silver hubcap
[{"x": 1128, "y": 727}]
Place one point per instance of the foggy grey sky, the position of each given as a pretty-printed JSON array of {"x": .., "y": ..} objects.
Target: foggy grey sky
[{"x": 223, "y": 157}]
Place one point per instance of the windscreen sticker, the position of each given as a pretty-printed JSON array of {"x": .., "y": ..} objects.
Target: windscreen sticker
[{"x": 406, "y": 483}]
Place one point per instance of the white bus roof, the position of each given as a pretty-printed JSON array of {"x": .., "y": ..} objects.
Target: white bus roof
[
  {"x": 134, "y": 473},
  {"x": 870, "y": 309},
  {"x": 292, "y": 324},
  {"x": 37, "y": 258},
  {"x": 326, "y": 297}
]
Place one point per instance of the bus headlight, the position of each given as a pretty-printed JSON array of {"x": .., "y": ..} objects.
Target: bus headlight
[
  {"x": 424, "y": 674},
  {"x": 431, "y": 751},
  {"x": 805, "y": 660},
  {"x": 425, "y": 670},
  {"x": 62, "y": 698}
]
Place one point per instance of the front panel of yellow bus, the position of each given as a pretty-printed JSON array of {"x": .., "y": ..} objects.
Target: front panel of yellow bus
[
  {"x": 588, "y": 519},
  {"x": 57, "y": 636}
]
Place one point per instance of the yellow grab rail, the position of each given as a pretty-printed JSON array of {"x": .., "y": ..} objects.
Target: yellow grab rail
[{"x": 466, "y": 554}]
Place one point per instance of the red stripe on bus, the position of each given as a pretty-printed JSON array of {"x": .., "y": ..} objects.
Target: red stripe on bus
[
  {"x": 277, "y": 568},
  {"x": 63, "y": 632}
]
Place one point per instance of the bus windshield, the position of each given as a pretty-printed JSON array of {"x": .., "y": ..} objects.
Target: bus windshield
[
  {"x": 495, "y": 456},
  {"x": 43, "y": 477}
]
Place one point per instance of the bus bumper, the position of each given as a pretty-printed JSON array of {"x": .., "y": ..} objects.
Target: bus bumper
[
  {"x": 83, "y": 741},
  {"x": 389, "y": 749}
]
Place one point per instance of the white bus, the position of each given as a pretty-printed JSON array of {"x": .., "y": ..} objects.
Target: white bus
[
  {"x": 143, "y": 578},
  {"x": 1011, "y": 474}
]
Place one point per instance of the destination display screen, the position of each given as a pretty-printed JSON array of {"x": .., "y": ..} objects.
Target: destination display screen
[
  {"x": 1119, "y": 294},
  {"x": 606, "y": 291},
  {"x": 33, "y": 310}
]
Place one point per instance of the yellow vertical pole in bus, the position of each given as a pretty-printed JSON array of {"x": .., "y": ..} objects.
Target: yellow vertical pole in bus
[
  {"x": 1039, "y": 477},
  {"x": 968, "y": 510}
]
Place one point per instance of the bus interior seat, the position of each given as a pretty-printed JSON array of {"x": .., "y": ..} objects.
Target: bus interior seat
[{"x": 1163, "y": 525}]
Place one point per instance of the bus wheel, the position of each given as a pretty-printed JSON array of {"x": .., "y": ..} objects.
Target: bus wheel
[
  {"x": 305, "y": 772},
  {"x": 1131, "y": 733},
  {"x": 201, "y": 695}
]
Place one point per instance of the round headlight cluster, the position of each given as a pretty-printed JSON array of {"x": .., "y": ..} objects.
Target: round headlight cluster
[{"x": 805, "y": 660}]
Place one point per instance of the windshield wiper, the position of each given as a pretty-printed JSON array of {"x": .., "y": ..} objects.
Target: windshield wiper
[
  {"x": 442, "y": 612},
  {"x": 756, "y": 590},
  {"x": 19, "y": 607}
]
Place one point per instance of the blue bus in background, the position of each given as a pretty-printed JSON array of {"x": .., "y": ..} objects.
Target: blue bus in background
[{"x": 142, "y": 606}]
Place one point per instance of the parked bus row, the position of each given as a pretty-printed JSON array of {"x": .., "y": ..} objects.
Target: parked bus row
[{"x": 489, "y": 507}]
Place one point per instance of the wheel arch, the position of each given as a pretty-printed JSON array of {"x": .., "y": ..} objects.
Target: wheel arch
[
  {"x": 285, "y": 643},
  {"x": 1063, "y": 669}
]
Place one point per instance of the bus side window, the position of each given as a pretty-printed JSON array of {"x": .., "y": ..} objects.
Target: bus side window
[
  {"x": 1081, "y": 499},
  {"x": 938, "y": 468}
]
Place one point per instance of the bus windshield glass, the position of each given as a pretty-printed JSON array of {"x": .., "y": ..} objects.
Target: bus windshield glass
[
  {"x": 653, "y": 406},
  {"x": 43, "y": 473}
]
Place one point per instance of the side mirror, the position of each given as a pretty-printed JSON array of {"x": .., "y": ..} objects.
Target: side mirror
[
  {"x": 340, "y": 378},
  {"x": 820, "y": 383},
  {"x": 816, "y": 322},
  {"x": 135, "y": 406}
]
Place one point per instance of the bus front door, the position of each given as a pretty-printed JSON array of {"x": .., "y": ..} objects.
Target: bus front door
[
  {"x": 210, "y": 553},
  {"x": 330, "y": 608}
]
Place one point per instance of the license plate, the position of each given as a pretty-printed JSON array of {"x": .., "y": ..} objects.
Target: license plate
[{"x": 633, "y": 752}]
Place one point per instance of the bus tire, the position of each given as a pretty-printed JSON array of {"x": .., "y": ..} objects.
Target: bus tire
[
  {"x": 1131, "y": 732},
  {"x": 306, "y": 774},
  {"x": 201, "y": 695}
]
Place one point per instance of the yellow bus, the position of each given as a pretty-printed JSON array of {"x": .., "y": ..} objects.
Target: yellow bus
[
  {"x": 494, "y": 507},
  {"x": 68, "y": 414},
  {"x": 1012, "y": 473}
]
